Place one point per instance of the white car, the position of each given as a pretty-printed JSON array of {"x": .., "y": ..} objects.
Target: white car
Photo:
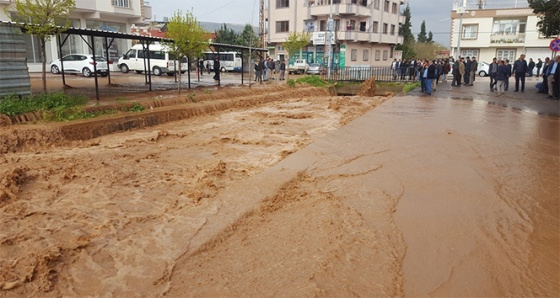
[
  {"x": 80, "y": 63},
  {"x": 482, "y": 69}
]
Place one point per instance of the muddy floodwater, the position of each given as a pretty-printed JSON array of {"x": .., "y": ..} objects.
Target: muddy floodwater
[{"x": 302, "y": 196}]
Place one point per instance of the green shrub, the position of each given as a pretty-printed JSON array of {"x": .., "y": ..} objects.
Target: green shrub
[
  {"x": 291, "y": 82},
  {"x": 14, "y": 105},
  {"x": 312, "y": 81},
  {"x": 410, "y": 86},
  {"x": 137, "y": 107}
]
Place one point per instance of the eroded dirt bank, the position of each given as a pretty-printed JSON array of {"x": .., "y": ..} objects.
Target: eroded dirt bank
[{"x": 119, "y": 214}]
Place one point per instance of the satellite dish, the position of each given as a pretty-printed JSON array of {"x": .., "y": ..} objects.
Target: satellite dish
[{"x": 473, "y": 13}]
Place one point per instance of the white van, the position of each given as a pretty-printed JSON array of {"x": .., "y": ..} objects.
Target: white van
[{"x": 161, "y": 60}]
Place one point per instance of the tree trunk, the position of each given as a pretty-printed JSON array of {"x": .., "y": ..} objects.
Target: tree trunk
[
  {"x": 42, "y": 41},
  {"x": 178, "y": 74}
]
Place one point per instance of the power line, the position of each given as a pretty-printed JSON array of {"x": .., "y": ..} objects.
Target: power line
[{"x": 231, "y": 2}]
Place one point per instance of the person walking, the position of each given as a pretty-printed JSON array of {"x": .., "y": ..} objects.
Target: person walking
[
  {"x": 547, "y": 63},
  {"x": 217, "y": 68},
  {"x": 201, "y": 67},
  {"x": 492, "y": 71},
  {"x": 430, "y": 75},
  {"x": 520, "y": 69},
  {"x": 539, "y": 66},
  {"x": 472, "y": 70},
  {"x": 531, "y": 66},
  {"x": 501, "y": 76}
]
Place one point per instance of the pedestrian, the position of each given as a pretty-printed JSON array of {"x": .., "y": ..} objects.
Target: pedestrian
[
  {"x": 217, "y": 68},
  {"x": 467, "y": 70},
  {"x": 553, "y": 78},
  {"x": 258, "y": 72},
  {"x": 455, "y": 73},
  {"x": 545, "y": 73},
  {"x": 539, "y": 66},
  {"x": 282, "y": 70},
  {"x": 430, "y": 75},
  {"x": 394, "y": 67},
  {"x": 508, "y": 65},
  {"x": 556, "y": 82},
  {"x": 201, "y": 66},
  {"x": 531, "y": 66},
  {"x": 277, "y": 68},
  {"x": 208, "y": 66},
  {"x": 445, "y": 69},
  {"x": 501, "y": 76},
  {"x": 520, "y": 69},
  {"x": 472, "y": 70},
  {"x": 492, "y": 71}
]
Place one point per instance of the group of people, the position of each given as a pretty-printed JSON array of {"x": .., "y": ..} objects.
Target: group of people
[
  {"x": 266, "y": 69},
  {"x": 216, "y": 67},
  {"x": 501, "y": 70}
]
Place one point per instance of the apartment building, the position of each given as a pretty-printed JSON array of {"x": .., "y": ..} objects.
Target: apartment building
[
  {"x": 365, "y": 31},
  {"x": 110, "y": 15},
  {"x": 501, "y": 33}
]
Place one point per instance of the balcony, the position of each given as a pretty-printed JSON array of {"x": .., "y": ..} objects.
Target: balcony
[
  {"x": 354, "y": 36},
  {"x": 507, "y": 39},
  {"x": 344, "y": 8}
]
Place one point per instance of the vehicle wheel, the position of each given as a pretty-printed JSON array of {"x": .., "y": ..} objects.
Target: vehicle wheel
[
  {"x": 104, "y": 74},
  {"x": 223, "y": 69},
  {"x": 170, "y": 74},
  {"x": 86, "y": 72},
  {"x": 138, "y": 71},
  {"x": 157, "y": 71},
  {"x": 482, "y": 73},
  {"x": 55, "y": 70},
  {"x": 124, "y": 68}
]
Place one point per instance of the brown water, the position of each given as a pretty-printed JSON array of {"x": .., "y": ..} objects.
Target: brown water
[{"x": 419, "y": 197}]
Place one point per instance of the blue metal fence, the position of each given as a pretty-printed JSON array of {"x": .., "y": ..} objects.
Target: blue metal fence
[{"x": 382, "y": 74}]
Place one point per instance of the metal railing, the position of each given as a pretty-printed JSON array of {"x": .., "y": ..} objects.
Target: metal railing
[{"x": 382, "y": 74}]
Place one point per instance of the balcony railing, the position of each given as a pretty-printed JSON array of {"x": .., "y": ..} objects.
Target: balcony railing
[
  {"x": 507, "y": 38},
  {"x": 341, "y": 7},
  {"x": 381, "y": 74}
]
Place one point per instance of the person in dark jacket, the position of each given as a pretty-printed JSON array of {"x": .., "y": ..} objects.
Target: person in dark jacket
[
  {"x": 430, "y": 75},
  {"x": 508, "y": 65},
  {"x": 501, "y": 76},
  {"x": 282, "y": 70},
  {"x": 531, "y": 66},
  {"x": 472, "y": 70},
  {"x": 492, "y": 70},
  {"x": 520, "y": 68},
  {"x": 545, "y": 75},
  {"x": 539, "y": 66},
  {"x": 467, "y": 71},
  {"x": 217, "y": 68}
]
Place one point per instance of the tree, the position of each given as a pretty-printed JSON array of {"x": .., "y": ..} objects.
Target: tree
[
  {"x": 296, "y": 41},
  {"x": 406, "y": 32},
  {"x": 422, "y": 35},
  {"x": 248, "y": 37},
  {"x": 43, "y": 18},
  {"x": 549, "y": 16},
  {"x": 430, "y": 38},
  {"x": 225, "y": 35},
  {"x": 189, "y": 39}
]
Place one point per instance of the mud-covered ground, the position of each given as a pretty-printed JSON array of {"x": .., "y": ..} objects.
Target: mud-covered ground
[{"x": 119, "y": 214}]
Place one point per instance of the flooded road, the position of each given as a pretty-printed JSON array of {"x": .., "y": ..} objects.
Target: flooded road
[{"x": 303, "y": 196}]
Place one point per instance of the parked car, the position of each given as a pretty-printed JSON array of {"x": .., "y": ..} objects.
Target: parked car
[
  {"x": 161, "y": 60},
  {"x": 314, "y": 68},
  {"x": 299, "y": 66},
  {"x": 80, "y": 63},
  {"x": 483, "y": 68}
]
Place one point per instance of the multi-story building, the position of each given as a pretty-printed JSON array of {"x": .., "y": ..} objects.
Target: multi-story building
[
  {"x": 110, "y": 15},
  {"x": 365, "y": 31},
  {"x": 501, "y": 33}
]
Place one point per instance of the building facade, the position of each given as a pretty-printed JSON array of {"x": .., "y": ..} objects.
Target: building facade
[
  {"x": 365, "y": 31},
  {"x": 110, "y": 15},
  {"x": 498, "y": 33}
]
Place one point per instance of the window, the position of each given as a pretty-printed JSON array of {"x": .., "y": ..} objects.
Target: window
[
  {"x": 323, "y": 25},
  {"x": 469, "y": 32},
  {"x": 282, "y": 26},
  {"x": 366, "y": 55},
  {"x": 392, "y": 29},
  {"x": 505, "y": 54},
  {"x": 395, "y": 8},
  {"x": 121, "y": 3},
  {"x": 282, "y": 3},
  {"x": 377, "y": 55},
  {"x": 508, "y": 27},
  {"x": 376, "y": 4},
  {"x": 470, "y": 53},
  {"x": 385, "y": 55},
  {"x": 375, "y": 27},
  {"x": 362, "y": 26},
  {"x": 387, "y": 4},
  {"x": 385, "y": 28},
  {"x": 336, "y": 25},
  {"x": 354, "y": 55}
]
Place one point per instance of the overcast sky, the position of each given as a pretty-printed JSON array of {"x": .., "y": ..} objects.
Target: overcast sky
[{"x": 436, "y": 13}]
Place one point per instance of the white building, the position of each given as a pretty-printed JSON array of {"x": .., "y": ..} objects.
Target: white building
[
  {"x": 366, "y": 31},
  {"x": 499, "y": 33},
  {"x": 111, "y": 15}
]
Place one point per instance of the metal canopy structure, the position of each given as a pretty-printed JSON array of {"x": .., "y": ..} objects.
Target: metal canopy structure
[{"x": 144, "y": 40}]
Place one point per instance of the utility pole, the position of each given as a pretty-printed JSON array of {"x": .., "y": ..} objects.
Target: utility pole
[
  {"x": 262, "y": 24},
  {"x": 460, "y": 10},
  {"x": 328, "y": 38}
]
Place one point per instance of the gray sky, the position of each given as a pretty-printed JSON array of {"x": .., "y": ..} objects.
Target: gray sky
[{"x": 436, "y": 13}]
